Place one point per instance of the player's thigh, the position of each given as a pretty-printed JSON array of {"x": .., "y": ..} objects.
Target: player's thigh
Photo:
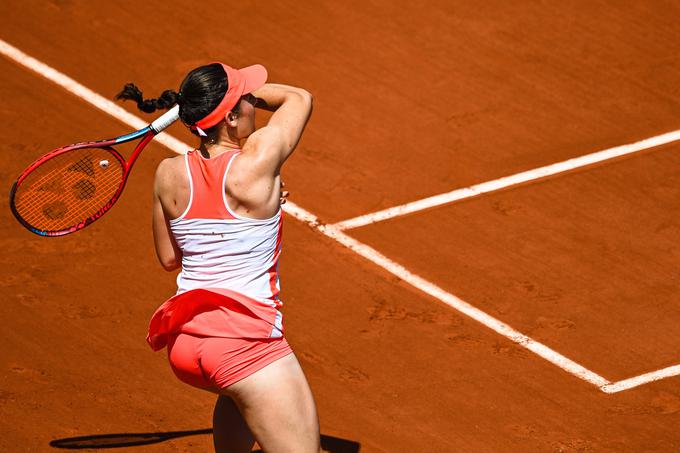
[{"x": 279, "y": 408}]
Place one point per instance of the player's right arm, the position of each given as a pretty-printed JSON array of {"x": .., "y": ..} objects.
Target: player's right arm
[
  {"x": 292, "y": 108},
  {"x": 256, "y": 181}
]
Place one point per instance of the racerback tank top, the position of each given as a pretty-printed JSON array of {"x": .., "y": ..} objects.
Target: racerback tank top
[{"x": 229, "y": 282}]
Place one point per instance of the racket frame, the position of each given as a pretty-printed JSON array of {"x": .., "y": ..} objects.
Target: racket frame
[{"x": 146, "y": 134}]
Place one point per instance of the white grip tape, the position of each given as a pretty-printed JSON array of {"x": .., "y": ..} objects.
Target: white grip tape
[{"x": 166, "y": 119}]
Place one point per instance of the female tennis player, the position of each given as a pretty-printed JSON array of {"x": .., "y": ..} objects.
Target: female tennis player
[{"x": 217, "y": 214}]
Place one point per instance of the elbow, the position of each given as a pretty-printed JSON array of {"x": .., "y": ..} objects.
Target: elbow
[
  {"x": 169, "y": 256},
  {"x": 304, "y": 95},
  {"x": 307, "y": 95},
  {"x": 307, "y": 101},
  {"x": 308, "y": 98},
  {"x": 170, "y": 265}
]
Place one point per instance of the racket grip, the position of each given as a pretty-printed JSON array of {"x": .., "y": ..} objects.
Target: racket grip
[{"x": 166, "y": 119}]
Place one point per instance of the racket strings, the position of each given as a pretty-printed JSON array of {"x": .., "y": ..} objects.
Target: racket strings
[{"x": 68, "y": 188}]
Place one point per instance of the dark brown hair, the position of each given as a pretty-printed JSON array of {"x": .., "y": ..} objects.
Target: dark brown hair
[{"x": 199, "y": 94}]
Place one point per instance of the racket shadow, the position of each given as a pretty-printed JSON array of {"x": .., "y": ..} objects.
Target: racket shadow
[{"x": 328, "y": 443}]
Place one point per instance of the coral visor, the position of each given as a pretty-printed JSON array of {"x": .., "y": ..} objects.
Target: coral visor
[{"x": 241, "y": 81}]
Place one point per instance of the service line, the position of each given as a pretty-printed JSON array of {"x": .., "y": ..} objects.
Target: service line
[
  {"x": 335, "y": 233},
  {"x": 508, "y": 181},
  {"x": 635, "y": 381}
]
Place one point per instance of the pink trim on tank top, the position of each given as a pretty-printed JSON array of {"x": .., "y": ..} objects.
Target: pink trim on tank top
[{"x": 274, "y": 270}]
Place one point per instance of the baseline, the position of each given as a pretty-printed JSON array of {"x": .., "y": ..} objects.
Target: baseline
[
  {"x": 87, "y": 95},
  {"x": 361, "y": 249}
]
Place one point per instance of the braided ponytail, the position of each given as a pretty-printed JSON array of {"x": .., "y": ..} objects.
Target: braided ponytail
[
  {"x": 166, "y": 100},
  {"x": 200, "y": 93}
]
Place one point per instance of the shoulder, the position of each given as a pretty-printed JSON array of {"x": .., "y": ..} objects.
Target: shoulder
[
  {"x": 257, "y": 158},
  {"x": 262, "y": 139},
  {"x": 168, "y": 171},
  {"x": 170, "y": 164},
  {"x": 263, "y": 144}
]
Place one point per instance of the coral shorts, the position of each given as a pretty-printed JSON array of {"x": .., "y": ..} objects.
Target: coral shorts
[{"x": 214, "y": 363}]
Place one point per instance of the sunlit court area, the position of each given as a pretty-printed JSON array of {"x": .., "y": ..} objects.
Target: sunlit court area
[{"x": 480, "y": 247}]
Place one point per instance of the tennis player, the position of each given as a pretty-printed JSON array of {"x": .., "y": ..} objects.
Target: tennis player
[{"x": 217, "y": 214}]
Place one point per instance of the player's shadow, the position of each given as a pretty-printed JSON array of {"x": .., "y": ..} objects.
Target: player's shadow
[{"x": 328, "y": 443}]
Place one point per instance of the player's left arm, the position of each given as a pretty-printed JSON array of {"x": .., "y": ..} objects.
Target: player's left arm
[{"x": 169, "y": 255}]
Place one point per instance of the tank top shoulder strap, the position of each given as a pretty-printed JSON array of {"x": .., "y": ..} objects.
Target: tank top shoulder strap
[{"x": 207, "y": 178}]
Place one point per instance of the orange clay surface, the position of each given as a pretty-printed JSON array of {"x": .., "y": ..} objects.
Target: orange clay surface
[{"x": 411, "y": 99}]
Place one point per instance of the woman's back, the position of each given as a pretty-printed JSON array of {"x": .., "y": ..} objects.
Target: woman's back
[{"x": 220, "y": 248}]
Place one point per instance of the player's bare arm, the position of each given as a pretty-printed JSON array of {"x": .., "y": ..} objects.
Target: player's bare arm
[{"x": 256, "y": 176}]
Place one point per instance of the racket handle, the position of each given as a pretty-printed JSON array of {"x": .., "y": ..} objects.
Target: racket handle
[{"x": 166, "y": 119}]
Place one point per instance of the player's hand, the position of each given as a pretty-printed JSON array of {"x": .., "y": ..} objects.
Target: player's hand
[{"x": 284, "y": 193}]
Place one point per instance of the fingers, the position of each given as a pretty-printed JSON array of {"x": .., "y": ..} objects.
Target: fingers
[{"x": 284, "y": 193}]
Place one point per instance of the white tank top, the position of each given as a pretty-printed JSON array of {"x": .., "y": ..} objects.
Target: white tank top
[{"x": 221, "y": 249}]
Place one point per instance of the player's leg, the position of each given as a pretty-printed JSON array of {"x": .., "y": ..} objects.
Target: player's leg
[
  {"x": 230, "y": 431},
  {"x": 277, "y": 404}
]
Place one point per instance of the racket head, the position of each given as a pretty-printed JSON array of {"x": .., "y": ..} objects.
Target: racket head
[{"x": 68, "y": 188}]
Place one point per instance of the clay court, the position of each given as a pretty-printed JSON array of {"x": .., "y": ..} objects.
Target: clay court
[{"x": 537, "y": 316}]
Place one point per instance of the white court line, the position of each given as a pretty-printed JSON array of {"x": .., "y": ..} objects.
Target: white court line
[
  {"x": 508, "y": 181},
  {"x": 629, "y": 383},
  {"x": 460, "y": 305},
  {"x": 364, "y": 250},
  {"x": 88, "y": 95}
]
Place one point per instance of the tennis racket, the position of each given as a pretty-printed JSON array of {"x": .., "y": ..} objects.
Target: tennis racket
[{"x": 69, "y": 188}]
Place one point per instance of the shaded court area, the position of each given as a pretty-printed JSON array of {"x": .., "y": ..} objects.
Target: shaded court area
[{"x": 409, "y": 101}]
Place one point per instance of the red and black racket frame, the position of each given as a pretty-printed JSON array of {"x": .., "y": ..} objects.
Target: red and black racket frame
[{"x": 146, "y": 134}]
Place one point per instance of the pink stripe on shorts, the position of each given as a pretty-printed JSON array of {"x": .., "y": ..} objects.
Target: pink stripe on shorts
[{"x": 214, "y": 363}]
